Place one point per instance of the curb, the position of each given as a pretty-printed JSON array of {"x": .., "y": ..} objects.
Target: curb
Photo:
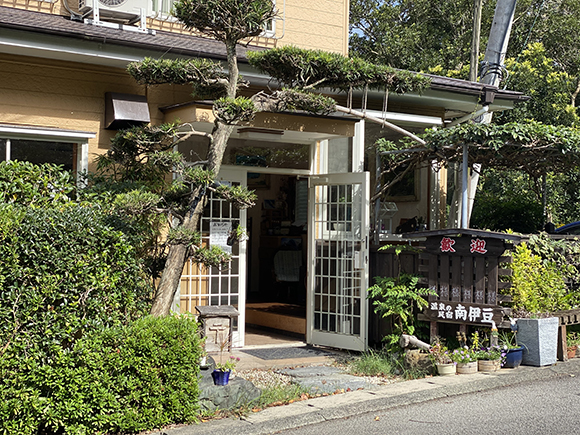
[{"x": 359, "y": 402}]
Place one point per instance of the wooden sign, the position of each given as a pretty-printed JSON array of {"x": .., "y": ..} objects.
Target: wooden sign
[
  {"x": 459, "y": 312},
  {"x": 465, "y": 246}
]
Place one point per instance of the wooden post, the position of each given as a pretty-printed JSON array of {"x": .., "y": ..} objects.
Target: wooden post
[
  {"x": 562, "y": 345},
  {"x": 433, "y": 331}
]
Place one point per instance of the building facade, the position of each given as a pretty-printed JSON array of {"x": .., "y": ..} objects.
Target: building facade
[{"x": 64, "y": 92}]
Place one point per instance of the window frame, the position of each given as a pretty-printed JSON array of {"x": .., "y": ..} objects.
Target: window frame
[{"x": 50, "y": 134}]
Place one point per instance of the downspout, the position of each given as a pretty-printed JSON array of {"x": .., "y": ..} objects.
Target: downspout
[{"x": 495, "y": 54}]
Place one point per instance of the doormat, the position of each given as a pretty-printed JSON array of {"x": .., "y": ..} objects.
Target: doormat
[{"x": 286, "y": 352}]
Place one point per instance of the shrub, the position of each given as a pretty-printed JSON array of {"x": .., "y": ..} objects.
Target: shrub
[
  {"x": 517, "y": 213},
  {"x": 120, "y": 379},
  {"x": 34, "y": 185},
  {"x": 64, "y": 272},
  {"x": 537, "y": 287}
]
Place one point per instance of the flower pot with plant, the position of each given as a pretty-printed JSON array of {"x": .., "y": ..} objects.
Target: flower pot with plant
[
  {"x": 489, "y": 359},
  {"x": 439, "y": 354},
  {"x": 221, "y": 374},
  {"x": 223, "y": 369},
  {"x": 572, "y": 343},
  {"x": 466, "y": 360},
  {"x": 512, "y": 352}
]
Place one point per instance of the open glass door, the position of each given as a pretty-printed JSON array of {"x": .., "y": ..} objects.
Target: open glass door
[
  {"x": 214, "y": 286},
  {"x": 338, "y": 260}
]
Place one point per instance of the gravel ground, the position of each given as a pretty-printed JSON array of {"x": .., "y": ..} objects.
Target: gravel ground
[{"x": 273, "y": 378}]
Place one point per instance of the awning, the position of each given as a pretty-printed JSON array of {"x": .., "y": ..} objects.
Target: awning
[{"x": 125, "y": 110}]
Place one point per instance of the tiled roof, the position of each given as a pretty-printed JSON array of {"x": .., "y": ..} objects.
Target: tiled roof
[
  {"x": 185, "y": 45},
  {"x": 166, "y": 42}
]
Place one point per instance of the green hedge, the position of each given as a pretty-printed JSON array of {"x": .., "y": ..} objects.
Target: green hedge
[
  {"x": 34, "y": 185},
  {"x": 64, "y": 272},
  {"x": 76, "y": 354},
  {"x": 117, "y": 380}
]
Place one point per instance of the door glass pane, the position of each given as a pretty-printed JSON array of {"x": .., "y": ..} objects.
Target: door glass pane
[
  {"x": 340, "y": 155},
  {"x": 337, "y": 260},
  {"x": 221, "y": 284}
]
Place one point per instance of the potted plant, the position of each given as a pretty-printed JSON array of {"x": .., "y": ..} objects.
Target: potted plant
[
  {"x": 538, "y": 289},
  {"x": 514, "y": 353},
  {"x": 221, "y": 374},
  {"x": 572, "y": 342},
  {"x": 439, "y": 354},
  {"x": 466, "y": 360},
  {"x": 222, "y": 371},
  {"x": 489, "y": 359}
]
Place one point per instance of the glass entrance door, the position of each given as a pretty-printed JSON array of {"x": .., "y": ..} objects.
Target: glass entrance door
[{"x": 338, "y": 260}]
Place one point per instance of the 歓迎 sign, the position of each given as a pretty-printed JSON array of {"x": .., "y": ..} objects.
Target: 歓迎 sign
[{"x": 472, "y": 246}]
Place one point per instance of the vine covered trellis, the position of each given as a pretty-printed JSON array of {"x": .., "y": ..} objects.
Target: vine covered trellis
[{"x": 532, "y": 147}]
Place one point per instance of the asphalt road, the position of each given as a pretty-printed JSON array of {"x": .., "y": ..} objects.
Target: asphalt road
[{"x": 545, "y": 407}]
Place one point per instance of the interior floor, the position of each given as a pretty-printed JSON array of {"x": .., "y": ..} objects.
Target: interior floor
[
  {"x": 274, "y": 315},
  {"x": 261, "y": 337}
]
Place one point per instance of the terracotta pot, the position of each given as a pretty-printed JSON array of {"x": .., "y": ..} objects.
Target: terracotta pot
[
  {"x": 467, "y": 368},
  {"x": 572, "y": 351},
  {"x": 485, "y": 365},
  {"x": 446, "y": 369}
]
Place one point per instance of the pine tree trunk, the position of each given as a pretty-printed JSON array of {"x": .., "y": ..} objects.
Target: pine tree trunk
[{"x": 171, "y": 276}]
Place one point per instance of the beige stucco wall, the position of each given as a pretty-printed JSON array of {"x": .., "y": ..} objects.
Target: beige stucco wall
[
  {"x": 67, "y": 95},
  {"x": 321, "y": 24}
]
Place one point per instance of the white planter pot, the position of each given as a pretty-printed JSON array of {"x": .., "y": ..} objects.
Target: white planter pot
[
  {"x": 539, "y": 338},
  {"x": 446, "y": 369}
]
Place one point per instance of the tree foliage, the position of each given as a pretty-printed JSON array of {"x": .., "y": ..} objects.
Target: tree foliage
[
  {"x": 142, "y": 158},
  {"x": 415, "y": 35},
  {"x": 35, "y": 186},
  {"x": 315, "y": 69},
  {"x": 550, "y": 87},
  {"x": 537, "y": 287},
  {"x": 225, "y": 20},
  {"x": 542, "y": 62}
]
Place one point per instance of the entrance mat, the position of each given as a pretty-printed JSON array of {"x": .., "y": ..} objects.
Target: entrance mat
[{"x": 286, "y": 352}]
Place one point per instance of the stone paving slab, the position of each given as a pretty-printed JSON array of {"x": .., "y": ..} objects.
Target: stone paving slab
[
  {"x": 309, "y": 372},
  {"x": 326, "y": 380}
]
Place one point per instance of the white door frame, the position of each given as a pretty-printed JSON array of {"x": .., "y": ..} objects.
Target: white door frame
[{"x": 337, "y": 305}]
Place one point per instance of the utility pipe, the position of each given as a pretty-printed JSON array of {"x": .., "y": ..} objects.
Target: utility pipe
[{"x": 469, "y": 116}]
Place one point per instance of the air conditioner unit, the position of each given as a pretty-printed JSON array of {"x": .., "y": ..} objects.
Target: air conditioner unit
[{"x": 115, "y": 10}]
